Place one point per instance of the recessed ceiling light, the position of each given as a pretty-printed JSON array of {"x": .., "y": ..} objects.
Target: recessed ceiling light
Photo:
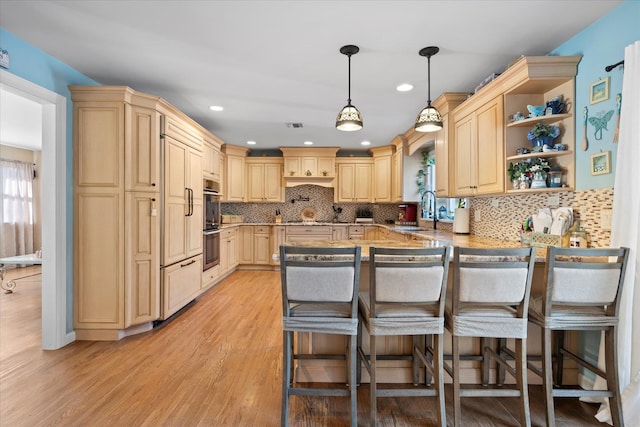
[
  {"x": 365, "y": 143},
  {"x": 251, "y": 142},
  {"x": 308, "y": 143},
  {"x": 404, "y": 87},
  {"x": 216, "y": 108}
]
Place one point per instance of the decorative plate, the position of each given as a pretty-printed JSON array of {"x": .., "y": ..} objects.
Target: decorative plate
[{"x": 308, "y": 214}]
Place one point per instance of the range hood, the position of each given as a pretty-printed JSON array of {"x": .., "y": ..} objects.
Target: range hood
[{"x": 322, "y": 181}]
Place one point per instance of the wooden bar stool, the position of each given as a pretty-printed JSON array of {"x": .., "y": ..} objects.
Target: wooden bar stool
[
  {"x": 490, "y": 298},
  {"x": 406, "y": 297},
  {"x": 319, "y": 295},
  {"x": 581, "y": 293}
]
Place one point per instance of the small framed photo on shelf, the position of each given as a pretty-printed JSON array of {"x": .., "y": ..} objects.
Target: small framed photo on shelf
[
  {"x": 599, "y": 91},
  {"x": 601, "y": 163}
]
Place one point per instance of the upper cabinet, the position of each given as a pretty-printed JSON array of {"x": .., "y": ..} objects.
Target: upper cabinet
[
  {"x": 443, "y": 143},
  {"x": 211, "y": 159},
  {"x": 354, "y": 180},
  {"x": 486, "y": 138},
  {"x": 234, "y": 181},
  {"x": 264, "y": 179},
  {"x": 309, "y": 166},
  {"x": 478, "y": 150},
  {"x": 382, "y": 173}
]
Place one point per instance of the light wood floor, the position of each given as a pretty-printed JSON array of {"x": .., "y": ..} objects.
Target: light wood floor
[{"x": 216, "y": 364}]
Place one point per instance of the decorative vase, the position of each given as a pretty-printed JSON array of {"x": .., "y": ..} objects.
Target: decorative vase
[
  {"x": 524, "y": 183},
  {"x": 539, "y": 180},
  {"x": 542, "y": 140}
]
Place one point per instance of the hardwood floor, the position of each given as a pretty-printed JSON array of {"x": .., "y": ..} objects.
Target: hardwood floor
[{"x": 216, "y": 364}]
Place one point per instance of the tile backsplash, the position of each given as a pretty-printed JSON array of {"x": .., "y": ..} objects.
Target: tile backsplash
[
  {"x": 500, "y": 217},
  {"x": 496, "y": 217}
]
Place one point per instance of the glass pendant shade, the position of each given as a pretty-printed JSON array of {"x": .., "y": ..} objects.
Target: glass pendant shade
[
  {"x": 349, "y": 119},
  {"x": 429, "y": 120}
]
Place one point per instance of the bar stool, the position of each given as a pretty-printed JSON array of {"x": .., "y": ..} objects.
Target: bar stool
[
  {"x": 490, "y": 298},
  {"x": 581, "y": 293},
  {"x": 406, "y": 296},
  {"x": 319, "y": 295}
]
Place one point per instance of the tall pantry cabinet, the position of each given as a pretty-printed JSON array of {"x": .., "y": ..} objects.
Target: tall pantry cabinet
[
  {"x": 129, "y": 268},
  {"x": 116, "y": 159}
]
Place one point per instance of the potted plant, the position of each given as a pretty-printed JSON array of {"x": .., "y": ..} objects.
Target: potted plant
[{"x": 542, "y": 134}]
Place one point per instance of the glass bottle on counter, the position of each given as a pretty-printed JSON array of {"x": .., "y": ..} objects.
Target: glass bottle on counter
[{"x": 579, "y": 238}]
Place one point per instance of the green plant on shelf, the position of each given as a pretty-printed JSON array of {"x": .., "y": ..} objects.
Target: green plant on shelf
[{"x": 527, "y": 168}]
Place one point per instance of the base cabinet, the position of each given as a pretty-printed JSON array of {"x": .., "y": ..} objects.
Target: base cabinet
[
  {"x": 262, "y": 245},
  {"x": 229, "y": 257},
  {"x": 180, "y": 285}
]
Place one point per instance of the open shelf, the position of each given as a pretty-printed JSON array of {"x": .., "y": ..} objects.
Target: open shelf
[
  {"x": 540, "y": 154},
  {"x": 540, "y": 190},
  {"x": 534, "y": 120}
]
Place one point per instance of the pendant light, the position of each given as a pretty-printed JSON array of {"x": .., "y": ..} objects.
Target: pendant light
[
  {"x": 429, "y": 119},
  {"x": 349, "y": 118}
]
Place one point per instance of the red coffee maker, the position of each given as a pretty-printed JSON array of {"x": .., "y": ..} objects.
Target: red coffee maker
[{"x": 407, "y": 214}]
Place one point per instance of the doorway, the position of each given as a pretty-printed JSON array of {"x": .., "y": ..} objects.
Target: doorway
[{"x": 57, "y": 253}]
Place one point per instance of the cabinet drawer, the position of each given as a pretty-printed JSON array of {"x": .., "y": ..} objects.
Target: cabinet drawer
[
  {"x": 261, "y": 229},
  {"x": 356, "y": 229},
  {"x": 310, "y": 230},
  {"x": 227, "y": 233}
]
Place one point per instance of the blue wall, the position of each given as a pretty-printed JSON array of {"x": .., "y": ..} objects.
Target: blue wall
[
  {"x": 44, "y": 70},
  {"x": 600, "y": 44}
]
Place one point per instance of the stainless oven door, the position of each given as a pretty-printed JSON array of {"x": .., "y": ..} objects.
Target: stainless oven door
[{"x": 211, "y": 249}]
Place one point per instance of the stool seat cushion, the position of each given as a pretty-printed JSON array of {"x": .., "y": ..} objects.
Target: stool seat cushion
[
  {"x": 569, "y": 316},
  {"x": 398, "y": 319}
]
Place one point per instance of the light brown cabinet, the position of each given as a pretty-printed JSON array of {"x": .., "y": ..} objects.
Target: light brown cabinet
[
  {"x": 181, "y": 284},
  {"x": 264, "y": 180},
  {"x": 382, "y": 174},
  {"x": 229, "y": 255},
  {"x": 211, "y": 159},
  {"x": 116, "y": 194},
  {"x": 245, "y": 237},
  {"x": 183, "y": 200},
  {"x": 262, "y": 245},
  {"x": 339, "y": 232},
  {"x": 354, "y": 180},
  {"x": 234, "y": 181},
  {"x": 479, "y": 149},
  {"x": 279, "y": 237},
  {"x": 536, "y": 81},
  {"x": 443, "y": 143}
]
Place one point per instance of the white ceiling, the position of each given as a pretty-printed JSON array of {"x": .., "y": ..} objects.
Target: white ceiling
[
  {"x": 269, "y": 63},
  {"x": 20, "y": 121}
]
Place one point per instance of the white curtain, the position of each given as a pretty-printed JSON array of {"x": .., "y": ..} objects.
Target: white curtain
[
  {"x": 626, "y": 232},
  {"x": 16, "y": 215}
]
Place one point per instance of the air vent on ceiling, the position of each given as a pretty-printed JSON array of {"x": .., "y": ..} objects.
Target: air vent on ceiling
[{"x": 294, "y": 125}]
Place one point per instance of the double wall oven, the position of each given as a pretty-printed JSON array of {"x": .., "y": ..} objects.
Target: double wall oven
[{"x": 211, "y": 229}]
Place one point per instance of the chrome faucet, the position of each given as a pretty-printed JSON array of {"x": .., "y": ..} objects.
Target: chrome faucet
[{"x": 424, "y": 195}]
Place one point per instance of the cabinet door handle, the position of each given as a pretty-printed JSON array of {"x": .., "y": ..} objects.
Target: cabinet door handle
[
  {"x": 189, "y": 201},
  {"x": 188, "y": 263}
]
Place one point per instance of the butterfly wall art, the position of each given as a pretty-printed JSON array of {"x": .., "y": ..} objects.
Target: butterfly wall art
[{"x": 599, "y": 122}]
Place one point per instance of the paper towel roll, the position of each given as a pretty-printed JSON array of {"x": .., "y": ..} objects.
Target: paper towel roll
[{"x": 461, "y": 221}]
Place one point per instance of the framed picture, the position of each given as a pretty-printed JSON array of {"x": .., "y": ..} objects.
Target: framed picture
[
  {"x": 601, "y": 163},
  {"x": 599, "y": 91}
]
